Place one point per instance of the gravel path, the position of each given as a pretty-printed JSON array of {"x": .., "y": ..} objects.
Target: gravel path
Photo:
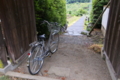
[
  {"x": 73, "y": 55},
  {"x": 74, "y": 60}
]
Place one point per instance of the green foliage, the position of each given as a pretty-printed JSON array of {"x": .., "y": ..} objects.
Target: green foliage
[
  {"x": 80, "y": 12},
  {"x": 73, "y": 8},
  {"x": 70, "y": 12},
  {"x": 97, "y": 8},
  {"x": 84, "y": 33},
  {"x": 86, "y": 22},
  {"x": 74, "y": 1},
  {"x": 50, "y": 10},
  {"x": 4, "y": 78},
  {"x": 88, "y": 29}
]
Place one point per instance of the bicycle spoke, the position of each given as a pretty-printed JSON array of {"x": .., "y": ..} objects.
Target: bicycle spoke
[
  {"x": 34, "y": 60},
  {"x": 37, "y": 52},
  {"x": 34, "y": 68},
  {"x": 54, "y": 43}
]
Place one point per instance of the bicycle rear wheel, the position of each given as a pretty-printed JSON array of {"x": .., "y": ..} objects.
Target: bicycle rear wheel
[
  {"x": 54, "y": 43},
  {"x": 35, "y": 61}
]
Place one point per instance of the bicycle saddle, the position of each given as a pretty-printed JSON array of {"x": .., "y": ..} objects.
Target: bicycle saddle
[{"x": 41, "y": 36}]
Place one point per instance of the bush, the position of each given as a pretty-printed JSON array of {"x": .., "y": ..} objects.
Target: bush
[
  {"x": 97, "y": 8},
  {"x": 50, "y": 10},
  {"x": 80, "y": 12}
]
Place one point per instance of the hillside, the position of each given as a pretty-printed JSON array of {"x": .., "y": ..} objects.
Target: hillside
[{"x": 74, "y": 7}]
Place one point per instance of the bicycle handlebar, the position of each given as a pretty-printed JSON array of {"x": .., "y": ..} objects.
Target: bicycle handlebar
[
  {"x": 45, "y": 22},
  {"x": 52, "y": 25}
]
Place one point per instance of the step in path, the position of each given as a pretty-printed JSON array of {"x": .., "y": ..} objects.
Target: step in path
[{"x": 28, "y": 76}]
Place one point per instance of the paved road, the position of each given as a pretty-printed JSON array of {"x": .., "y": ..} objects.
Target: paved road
[{"x": 77, "y": 27}]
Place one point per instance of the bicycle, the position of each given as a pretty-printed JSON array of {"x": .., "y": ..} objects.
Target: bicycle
[{"x": 39, "y": 51}]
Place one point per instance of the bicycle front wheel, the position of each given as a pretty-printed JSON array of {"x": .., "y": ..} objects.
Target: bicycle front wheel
[
  {"x": 35, "y": 60},
  {"x": 54, "y": 43}
]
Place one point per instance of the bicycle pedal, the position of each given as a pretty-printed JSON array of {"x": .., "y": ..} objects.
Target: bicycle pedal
[
  {"x": 27, "y": 65},
  {"x": 49, "y": 56}
]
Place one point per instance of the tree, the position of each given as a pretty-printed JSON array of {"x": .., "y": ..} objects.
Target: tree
[
  {"x": 50, "y": 10},
  {"x": 97, "y": 8},
  {"x": 80, "y": 12},
  {"x": 73, "y": 1}
]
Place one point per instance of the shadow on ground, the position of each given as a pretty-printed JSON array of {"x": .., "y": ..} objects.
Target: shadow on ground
[{"x": 73, "y": 61}]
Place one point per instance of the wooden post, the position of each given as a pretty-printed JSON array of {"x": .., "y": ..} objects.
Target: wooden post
[
  {"x": 3, "y": 52},
  {"x": 18, "y": 23},
  {"x": 112, "y": 40},
  {"x": 98, "y": 19}
]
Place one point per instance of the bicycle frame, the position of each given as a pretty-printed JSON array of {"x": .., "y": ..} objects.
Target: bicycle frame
[
  {"x": 42, "y": 42},
  {"x": 47, "y": 47},
  {"x": 40, "y": 50}
]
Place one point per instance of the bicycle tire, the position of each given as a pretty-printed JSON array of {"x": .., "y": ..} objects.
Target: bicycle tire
[
  {"x": 54, "y": 43},
  {"x": 33, "y": 63}
]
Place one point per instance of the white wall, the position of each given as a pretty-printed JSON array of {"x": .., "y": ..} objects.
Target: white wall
[{"x": 105, "y": 18}]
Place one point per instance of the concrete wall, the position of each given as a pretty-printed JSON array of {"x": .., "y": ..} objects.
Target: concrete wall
[{"x": 105, "y": 20}]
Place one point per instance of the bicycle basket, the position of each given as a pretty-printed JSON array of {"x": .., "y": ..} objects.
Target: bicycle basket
[{"x": 54, "y": 26}]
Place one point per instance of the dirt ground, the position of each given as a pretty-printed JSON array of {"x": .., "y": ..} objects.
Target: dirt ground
[{"x": 74, "y": 54}]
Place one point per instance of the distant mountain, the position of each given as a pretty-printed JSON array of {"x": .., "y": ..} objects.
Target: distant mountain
[{"x": 73, "y": 1}]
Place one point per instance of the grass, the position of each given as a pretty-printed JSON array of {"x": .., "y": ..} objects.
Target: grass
[
  {"x": 72, "y": 20},
  {"x": 96, "y": 47},
  {"x": 85, "y": 25},
  {"x": 73, "y": 7},
  {"x": 4, "y": 78},
  {"x": 72, "y": 10},
  {"x": 12, "y": 78}
]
